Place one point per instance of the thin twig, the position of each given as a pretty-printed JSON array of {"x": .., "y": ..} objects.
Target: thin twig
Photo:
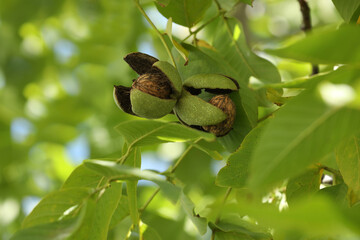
[
  {"x": 183, "y": 156},
  {"x": 202, "y": 26},
  {"x": 160, "y": 35},
  {"x": 170, "y": 170},
  {"x": 305, "y": 12},
  {"x": 149, "y": 200},
  {"x": 227, "y": 194}
]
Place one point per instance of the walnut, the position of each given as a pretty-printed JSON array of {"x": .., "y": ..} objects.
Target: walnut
[
  {"x": 155, "y": 84},
  {"x": 225, "y": 103}
]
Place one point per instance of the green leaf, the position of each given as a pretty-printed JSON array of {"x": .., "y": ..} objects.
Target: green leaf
[
  {"x": 315, "y": 49},
  {"x": 294, "y": 139},
  {"x": 199, "y": 222},
  {"x": 148, "y": 232},
  {"x": 209, "y": 151},
  {"x": 231, "y": 43},
  {"x": 162, "y": 3},
  {"x": 53, "y": 206},
  {"x": 347, "y": 9},
  {"x": 121, "y": 212},
  {"x": 230, "y": 4},
  {"x": 123, "y": 228},
  {"x": 249, "y": 2},
  {"x": 236, "y": 171},
  {"x": 304, "y": 185},
  {"x": 97, "y": 219},
  {"x": 181, "y": 50},
  {"x": 185, "y": 12},
  {"x": 348, "y": 160},
  {"x": 134, "y": 161},
  {"x": 235, "y": 227},
  {"x": 131, "y": 190},
  {"x": 344, "y": 74},
  {"x": 244, "y": 99},
  {"x": 56, "y": 230},
  {"x": 82, "y": 177},
  {"x": 115, "y": 171},
  {"x": 150, "y": 132},
  {"x": 311, "y": 216},
  {"x": 337, "y": 193}
]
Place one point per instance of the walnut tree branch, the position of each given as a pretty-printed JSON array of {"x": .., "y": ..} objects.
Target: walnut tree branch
[{"x": 305, "y": 12}]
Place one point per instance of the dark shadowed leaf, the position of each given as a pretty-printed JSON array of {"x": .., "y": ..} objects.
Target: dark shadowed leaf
[
  {"x": 347, "y": 9},
  {"x": 185, "y": 12},
  {"x": 348, "y": 160},
  {"x": 304, "y": 185},
  {"x": 234, "y": 227}
]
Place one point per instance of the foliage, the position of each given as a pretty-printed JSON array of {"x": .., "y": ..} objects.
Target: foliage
[{"x": 290, "y": 165}]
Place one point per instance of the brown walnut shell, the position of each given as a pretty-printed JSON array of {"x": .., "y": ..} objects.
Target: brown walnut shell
[
  {"x": 225, "y": 103},
  {"x": 155, "y": 84}
]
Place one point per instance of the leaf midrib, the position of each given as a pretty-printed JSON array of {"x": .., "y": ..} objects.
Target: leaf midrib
[{"x": 293, "y": 144}]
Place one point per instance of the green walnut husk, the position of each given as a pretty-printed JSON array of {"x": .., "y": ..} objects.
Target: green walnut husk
[
  {"x": 144, "y": 104},
  {"x": 148, "y": 98},
  {"x": 212, "y": 83},
  {"x": 192, "y": 110}
]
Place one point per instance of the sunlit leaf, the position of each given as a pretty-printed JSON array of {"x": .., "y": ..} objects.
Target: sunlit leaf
[
  {"x": 148, "y": 232},
  {"x": 230, "y": 42},
  {"x": 188, "y": 206},
  {"x": 55, "y": 230},
  {"x": 344, "y": 74},
  {"x": 53, "y": 206},
  {"x": 150, "y": 132},
  {"x": 318, "y": 47},
  {"x": 313, "y": 216},
  {"x": 309, "y": 124},
  {"x": 97, "y": 220},
  {"x": 181, "y": 50},
  {"x": 124, "y": 228},
  {"x": 121, "y": 212},
  {"x": 115, "y": 171},
  {"x": 82, "y": 177}
]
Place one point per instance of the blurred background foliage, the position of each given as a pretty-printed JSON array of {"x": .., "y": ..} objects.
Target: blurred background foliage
[{"x": 59, "y": 61}]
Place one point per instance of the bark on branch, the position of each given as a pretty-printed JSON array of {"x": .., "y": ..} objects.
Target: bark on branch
[{"x": 305, "y": 12}]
